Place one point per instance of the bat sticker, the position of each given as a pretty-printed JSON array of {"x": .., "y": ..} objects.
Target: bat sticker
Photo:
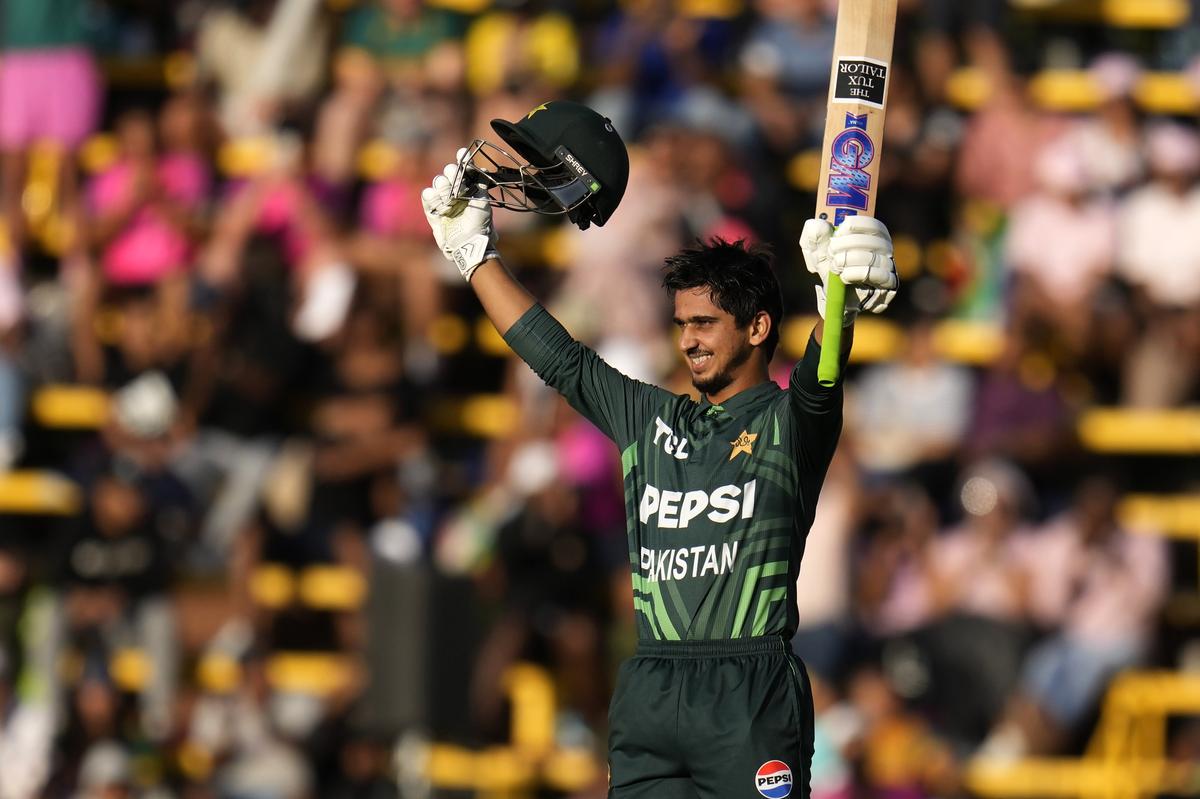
[{"x": 861, "y": 80}]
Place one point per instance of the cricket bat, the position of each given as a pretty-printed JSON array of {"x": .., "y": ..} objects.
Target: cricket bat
[{"x": 853, "y": 144}]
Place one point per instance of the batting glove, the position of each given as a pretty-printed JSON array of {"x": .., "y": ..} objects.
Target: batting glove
[
  {"x": 462, "y": 228},
  {"x": 860, "y": 253}
]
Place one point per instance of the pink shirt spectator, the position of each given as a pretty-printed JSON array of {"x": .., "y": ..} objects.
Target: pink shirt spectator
[
  {"x": 1104, "y": 593},
  {"x": 151, "y": 246},
  {"x": 1065, "y": 249},
  {"x": 393, "y": 208},
  {"x": 984, "y": 577}
]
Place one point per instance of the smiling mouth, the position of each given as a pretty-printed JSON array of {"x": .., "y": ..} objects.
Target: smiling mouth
[{"x": 699, "y": 360}]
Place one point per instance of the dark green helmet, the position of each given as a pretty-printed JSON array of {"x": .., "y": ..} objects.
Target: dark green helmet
[{"x": 574, "y": 163}]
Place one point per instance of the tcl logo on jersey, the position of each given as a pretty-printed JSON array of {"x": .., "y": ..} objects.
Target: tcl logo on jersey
[
  {"x": 675, "y": 509},
  {"x": 773, "y": 779},
  {"x": 672, "y": 444}
]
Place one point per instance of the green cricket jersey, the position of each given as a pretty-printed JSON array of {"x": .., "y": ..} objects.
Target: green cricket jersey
[{"x": 718, "y": 498}]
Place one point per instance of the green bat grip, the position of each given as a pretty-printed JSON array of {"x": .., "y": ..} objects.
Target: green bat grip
[{"x": 831, "y": 341}]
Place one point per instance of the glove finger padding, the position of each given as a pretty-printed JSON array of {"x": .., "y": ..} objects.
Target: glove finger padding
[
  {"x": 864, "y": 267},
  {"x": 858, "y": 241},
  {"x": 814, "y": 245},
  {"x": 874, "y": 300},
  {"x": 862, "y": 225}
]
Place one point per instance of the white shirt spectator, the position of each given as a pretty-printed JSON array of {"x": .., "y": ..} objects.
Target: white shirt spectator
[
  {"x": 1060, "y": 238},
  {"x": 906, "y": 412},
  {"x": 1147, "y": 254}
]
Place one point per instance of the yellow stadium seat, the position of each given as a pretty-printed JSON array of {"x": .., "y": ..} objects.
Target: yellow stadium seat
[
  {"x": 968, "y": 88},
  {"x": 1166, "y": 93},
  {"x": 1145, "y": 13},
  {"x": 451, "y": 767},
  {"x": 875, "y": 340},
  {"x": 98, "y": 153},
  {"x": 558, "y": 247},
  {"x": 488, "y": 416},
  {"x": 70, "y": 407},
  {"x": 313, "y": 673},
  {"x": 194, "y": 760},
  {"x": 1173, "y": 515},
  {"x": 462, "y": 6},
  {"x": 548, "y": 45},
  {"x": 804, "y": 170},
  {"x": 246, "y": 157},
  {"x": 1126, "y": 758},
  {"x": 179, "y": 69},
  {"x": 533, "y": 706},
  {"x": 1132, "y": 431},
  {"x": 38, "y": 492},
  {"x": 907, "y": 255},
  {"x": 448, "y": 334},
  {"x": 272, "y": 586},
  {"x": 336, "y": 588},
  {"x": 570, "y": 770},
  {"x": 968, "y": 342},
  {"x": 530, "y": 761},
  {"x": 489, "y": 339},
  {"x": 1066, "y": 90},
  {"x": 130, "y": 669},
  {"x": 218, "y": 674},
  {"x": 377, "y": 159},
  {"x": 710, "y": 9}
]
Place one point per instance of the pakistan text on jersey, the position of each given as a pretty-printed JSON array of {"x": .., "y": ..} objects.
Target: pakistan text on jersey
[
  {"x": 676, "y": 509},
  {"x": 661, "y": 565}
]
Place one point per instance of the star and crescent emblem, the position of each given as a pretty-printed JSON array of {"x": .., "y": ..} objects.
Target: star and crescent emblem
[
  {"x": 542, "y": 107},
  {"x": 743, "y": 443}
]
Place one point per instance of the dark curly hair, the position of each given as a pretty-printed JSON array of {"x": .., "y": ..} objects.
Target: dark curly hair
[{"x": 739, "y": 278}]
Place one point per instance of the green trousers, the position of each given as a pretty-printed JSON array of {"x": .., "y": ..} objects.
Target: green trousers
[{"x": 711, "y": 720}]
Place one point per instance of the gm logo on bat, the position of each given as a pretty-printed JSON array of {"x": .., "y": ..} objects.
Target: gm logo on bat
[
  {"x": 773, "y": 779},
  {"x": 849, "y": 181}
]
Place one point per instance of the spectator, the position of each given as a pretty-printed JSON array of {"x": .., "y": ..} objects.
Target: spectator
[
  {"x": 980, "y": 596},
  {"x": 396, "y": 52},
  {"x": 1173, "y": 152},
  {"x": 784, "y": 63},
  {"x": 114, "y": 577},
  {"x": 49, "y": 90},
  {"x": 1061, "y": 246},
  {"x": 1019, "y": 411},
  {"x": 1097, "y": 588},
  {"x": 266, "y": 57},
  {"x": 142, "y": 205},
  {"x": 1161, "y": 369},
  {"x": 895, "y": 435}
]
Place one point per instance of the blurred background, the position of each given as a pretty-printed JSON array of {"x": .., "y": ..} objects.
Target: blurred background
[{"x": 282, "y": 518}]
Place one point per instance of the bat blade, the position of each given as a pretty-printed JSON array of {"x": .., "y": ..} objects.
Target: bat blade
[{"x": 853, "y": 142}]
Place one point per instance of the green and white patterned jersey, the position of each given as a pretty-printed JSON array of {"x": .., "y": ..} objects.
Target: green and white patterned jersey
[{"x": 718, "y": 498}]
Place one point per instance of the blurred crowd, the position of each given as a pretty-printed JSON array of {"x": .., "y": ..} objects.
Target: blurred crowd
[{"x": 210, "y": 214}]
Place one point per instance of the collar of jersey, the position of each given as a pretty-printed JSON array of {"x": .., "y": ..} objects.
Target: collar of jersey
[{"x": 742, "y": 398}]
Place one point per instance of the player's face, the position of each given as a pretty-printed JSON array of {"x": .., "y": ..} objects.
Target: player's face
[{"x": 713, "y": 345}]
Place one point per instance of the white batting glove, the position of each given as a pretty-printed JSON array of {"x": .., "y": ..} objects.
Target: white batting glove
[
  {"x": 462, "y": 228},
  {"x": 860, "y": 253}
]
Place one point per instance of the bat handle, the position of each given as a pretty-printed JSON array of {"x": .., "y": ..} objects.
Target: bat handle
[{"x": 831, "y": 341}]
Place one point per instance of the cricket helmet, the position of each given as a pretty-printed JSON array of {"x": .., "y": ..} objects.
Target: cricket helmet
[{"x": 569, "y": 160}]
